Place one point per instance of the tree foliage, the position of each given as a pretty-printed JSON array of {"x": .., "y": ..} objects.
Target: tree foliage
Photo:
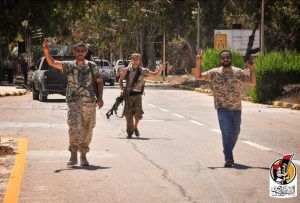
[{"x": 119, "y": 27}]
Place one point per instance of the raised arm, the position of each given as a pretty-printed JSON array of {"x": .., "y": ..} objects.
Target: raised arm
[
  {"x": 198, "y": 70},
  {"x": 50, "y": 60},
  {"x": 156, "y": 72},
  {"x": 252, "y": 74}
]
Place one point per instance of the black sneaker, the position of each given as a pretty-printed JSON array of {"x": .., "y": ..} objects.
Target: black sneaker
[
  {"x": 229, "y": 164},
  {"x": 136, "y": 132},
  {"x": 129, "y": 134}
]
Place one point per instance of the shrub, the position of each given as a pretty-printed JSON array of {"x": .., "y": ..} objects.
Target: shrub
[{"x": 273, "y": 71}]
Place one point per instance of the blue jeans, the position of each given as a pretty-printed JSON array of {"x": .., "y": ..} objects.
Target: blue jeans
[{"x": 230, "y": 122}]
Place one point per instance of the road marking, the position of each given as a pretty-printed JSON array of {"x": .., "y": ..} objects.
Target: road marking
[
  {"x": 31, "y": 125},
  {"x": 165, "y": 110},
  {"x": 15, "y": 179},
  {"x": 216, "y": 130},
  {"x": 152, "y": 120},
  {"x": 178, "y": 115},
  {"x": 296, "y": 162},
  {"x": 258, "y": 146},
  {"x": 197, "y": 123},
  {"x": 152, "y": 105}
]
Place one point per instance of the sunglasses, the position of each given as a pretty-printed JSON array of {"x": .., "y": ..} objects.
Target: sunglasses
[{"x": 225, "y": 57}]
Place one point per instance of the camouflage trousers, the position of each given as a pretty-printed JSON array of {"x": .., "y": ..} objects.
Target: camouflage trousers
[
  {"x": 133, "y": 108},
  {"x": 81, "y": 121}
]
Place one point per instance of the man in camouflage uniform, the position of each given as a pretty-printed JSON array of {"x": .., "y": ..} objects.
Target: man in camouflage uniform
[
  {"x": 134, "y": 75},
  {"x": 227, "y": 87},
  {"x": 81, "y": 99}
]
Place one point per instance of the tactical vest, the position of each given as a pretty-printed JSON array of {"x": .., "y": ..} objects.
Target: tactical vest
[
  {"x": 80, "y": 84},
  {"x": 135, "y": 81}
]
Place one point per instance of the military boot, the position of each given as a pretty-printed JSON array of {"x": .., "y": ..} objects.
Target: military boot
[
  {"x": 83, "y": 160},
  {"x": 73, "y": 160}
]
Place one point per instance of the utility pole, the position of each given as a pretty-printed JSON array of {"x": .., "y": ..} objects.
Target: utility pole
[
  {"x": 198, "y": 27},
  {"x": 262, "y": 26},
  {"x": 164, "y": 56}
]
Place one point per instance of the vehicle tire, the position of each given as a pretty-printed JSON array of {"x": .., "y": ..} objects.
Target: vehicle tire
[
  {"x": 43, "y": 95},
  {"x": 117, "y": 78},
  {"x": 35, "y": 94},
  {"x": 112, "y": 83}
]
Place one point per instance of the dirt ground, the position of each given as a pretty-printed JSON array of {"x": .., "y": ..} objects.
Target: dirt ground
[{"x": 8, "y": 147}]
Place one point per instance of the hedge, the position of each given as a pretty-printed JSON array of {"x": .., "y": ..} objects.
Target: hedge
[{"x": 274, "y": 71}]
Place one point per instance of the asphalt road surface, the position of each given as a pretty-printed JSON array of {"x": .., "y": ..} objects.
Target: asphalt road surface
[{"x": 177, "y": 159}]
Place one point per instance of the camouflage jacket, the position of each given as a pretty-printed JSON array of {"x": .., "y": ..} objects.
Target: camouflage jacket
[
  {"x": 227, "y": 86},
  {"x": 80, "y": 82}
]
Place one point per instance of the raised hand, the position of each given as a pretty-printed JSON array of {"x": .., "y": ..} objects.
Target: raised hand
[
  {"x": 45, "y": 46},
  {"x": 199, "y": 55}
]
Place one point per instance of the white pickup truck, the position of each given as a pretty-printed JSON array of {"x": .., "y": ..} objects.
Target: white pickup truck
[
  {"x": 106, "y": 71},
  {"x": 120, "y": 64}
]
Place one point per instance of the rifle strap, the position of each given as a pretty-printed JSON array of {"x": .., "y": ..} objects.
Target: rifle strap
[
  {"x": 93, "y": 79},
  {"x": 135, "y": 79},
  {"x": 92, "y": 72}
]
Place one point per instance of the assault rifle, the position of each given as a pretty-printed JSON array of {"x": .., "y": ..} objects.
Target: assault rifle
[
  {"x": 115, "y": 106},
  {"x": 250, "y": 51}
]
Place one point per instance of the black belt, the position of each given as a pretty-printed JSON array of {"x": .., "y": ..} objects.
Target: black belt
[{"x": 134, "y": 93}]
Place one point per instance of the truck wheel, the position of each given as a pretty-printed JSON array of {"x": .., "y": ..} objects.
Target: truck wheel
[
  {"x": 43, "y": 95},
  {"x": 35, "y": 94}
]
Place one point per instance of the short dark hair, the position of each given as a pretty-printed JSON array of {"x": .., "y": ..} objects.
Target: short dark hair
[
  {"x": 225, "y": 51},
  {"x": 80, "y": 44}
]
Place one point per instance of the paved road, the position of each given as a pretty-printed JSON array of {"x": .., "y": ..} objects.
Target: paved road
[{"x": 178, "y": 158}]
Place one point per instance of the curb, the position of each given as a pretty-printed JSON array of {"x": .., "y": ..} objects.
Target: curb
[
  {"x": 208, "y": 91},
  {"x": 157, "y": 82},
  {"x": 13, "y": 93},
  {"x": 279, "y": 104}
]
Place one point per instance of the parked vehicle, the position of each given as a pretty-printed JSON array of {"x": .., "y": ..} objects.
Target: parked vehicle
[
  {"x": 120, "y": 64},
  {"x": 106, "y": 71},
  {"x": 48, "y": 80}
]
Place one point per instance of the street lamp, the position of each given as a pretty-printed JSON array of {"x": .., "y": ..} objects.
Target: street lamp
[{"x": 27, "y": 41}]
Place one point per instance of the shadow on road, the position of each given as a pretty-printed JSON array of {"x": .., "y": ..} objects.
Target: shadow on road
[
  {"x": 241, "y": 167},
  {"x": 56, "y": 101},
  {"x": 141, "y": 138},
  {"x": 89, "y": 168}
]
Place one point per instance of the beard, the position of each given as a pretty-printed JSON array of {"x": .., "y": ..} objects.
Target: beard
[
  {"x": 80, "y": 57},
  {"x": 226, "y": 64}
]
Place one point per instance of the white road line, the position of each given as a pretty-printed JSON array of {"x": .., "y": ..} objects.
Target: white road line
[
  {"x": 297, "y": 162},
  {"x": 178, "y": 115},
  {"x": 197, "y": 123},
  {"x": 152, "y": 105},
  {"x": 152, "y": 120},
  {"x": 216, "y": 130},
  {"x": 165, "y": 110},
  {"x": 258, "y": 146}
]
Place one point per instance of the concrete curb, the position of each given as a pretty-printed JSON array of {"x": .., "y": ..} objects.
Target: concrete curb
[
  {"x": 279, "y": 104},
  {"x": 208, "y": 91},
  {"x": 157, "y": 82},
  {"x": 13, "y": 93}
]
